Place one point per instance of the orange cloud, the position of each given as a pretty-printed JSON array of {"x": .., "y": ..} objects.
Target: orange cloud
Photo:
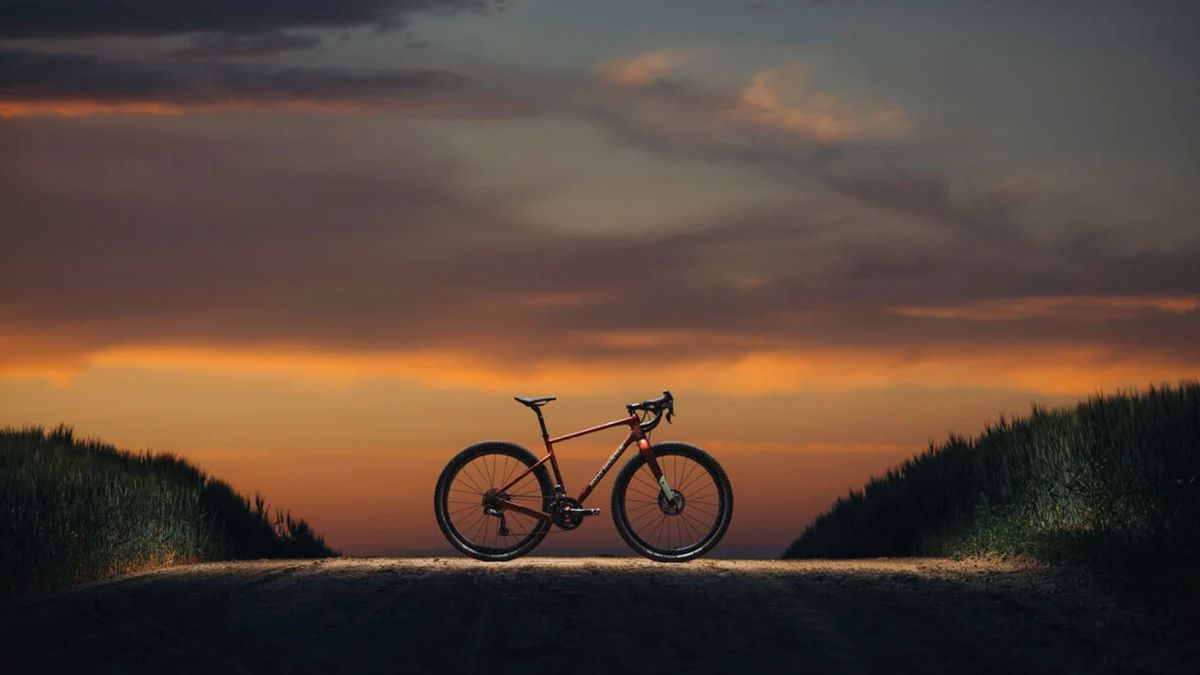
[
  {"x": 82, "y": 108},
  {"x": 554, "y": 299},
  {"x": 640, "y": 71},
  {"x": 778, "y": 99},
  {"x": 1049, "y": 370},
  {"x": 66, "y": 108},
  {"x": 47, "y": 357},
  {"x": 1069, "y": 307}
]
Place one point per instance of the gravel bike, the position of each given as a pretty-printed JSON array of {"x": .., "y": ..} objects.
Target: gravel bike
[{"x": 671, "y": 502}]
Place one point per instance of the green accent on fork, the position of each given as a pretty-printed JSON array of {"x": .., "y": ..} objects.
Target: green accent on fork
[{"x": 662, "y": 480}]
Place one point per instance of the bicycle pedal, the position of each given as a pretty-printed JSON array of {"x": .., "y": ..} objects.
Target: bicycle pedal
[{"x": 583, "y": 512}]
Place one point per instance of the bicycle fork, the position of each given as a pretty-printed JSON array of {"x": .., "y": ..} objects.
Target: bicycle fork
[{"x": 644, "y": 448}]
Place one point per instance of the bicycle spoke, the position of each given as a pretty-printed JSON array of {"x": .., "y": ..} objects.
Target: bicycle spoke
[
  {"x": 470, "y": 481},
  {"x": 482, "y": 480},
  {"x": 661, "y": 521},
  {"x": 688, "y": 473},
  {"x": 683, "y": 527},
  {"x": 701, "y": 476},
  {"x": 508, "y": 472},
  {"x": 466, "y": 510},
  {"x": 478, "y": 524},
  {"x": 481, "y": 468},
  {"x": 645, "y": 518},
  {"x": 647, "y": 479},
  {"x": 700, "y": 525}
]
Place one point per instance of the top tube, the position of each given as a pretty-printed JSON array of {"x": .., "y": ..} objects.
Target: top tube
[{"x": 629, "y": 421}]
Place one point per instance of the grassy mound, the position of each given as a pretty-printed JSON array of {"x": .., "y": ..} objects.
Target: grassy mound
[
  {"x": 1113, "y": 484},
  {"x": 75, "y": 510}
]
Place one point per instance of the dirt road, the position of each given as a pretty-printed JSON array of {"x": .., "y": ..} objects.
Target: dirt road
[{"x": 589, "y": 615}]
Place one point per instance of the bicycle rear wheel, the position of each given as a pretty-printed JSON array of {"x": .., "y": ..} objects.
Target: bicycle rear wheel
[
  {"x": 467, "y": 513},
  {"x": 684, "y": 528}
]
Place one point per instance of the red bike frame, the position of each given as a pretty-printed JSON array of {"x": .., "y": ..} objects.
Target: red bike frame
[{"x": 635, "y": 435}]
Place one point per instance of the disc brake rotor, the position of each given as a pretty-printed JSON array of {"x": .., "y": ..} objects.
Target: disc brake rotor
[{"x": 674, "y": 506}]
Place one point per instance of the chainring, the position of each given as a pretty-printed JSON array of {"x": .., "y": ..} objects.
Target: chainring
[{"x": 562, "y": 517}]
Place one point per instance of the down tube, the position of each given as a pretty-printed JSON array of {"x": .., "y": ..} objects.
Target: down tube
[{"x": 587, "y": 489}]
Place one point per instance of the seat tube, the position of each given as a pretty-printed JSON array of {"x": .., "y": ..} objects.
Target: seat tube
[
  {"x": 558, "y": 481},
  {"x": 648, "y": 455}
]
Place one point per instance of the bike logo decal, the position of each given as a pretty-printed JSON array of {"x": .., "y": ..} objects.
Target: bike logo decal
[{"x": 607, "y": 465}]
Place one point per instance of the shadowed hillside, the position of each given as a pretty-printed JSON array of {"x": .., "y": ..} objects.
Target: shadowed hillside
[
  {"x": 75, "y": 510},
  {"x": 1113, "y": 484}
]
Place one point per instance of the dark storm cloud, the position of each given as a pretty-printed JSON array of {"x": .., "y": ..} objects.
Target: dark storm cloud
[
  {"x": 31, "y": 76},
  {"x": 926, "y": 194},
  {"x": 315, "y": 234},
  {"x": 88, "y": 18},
  {"x": 204, "y": 45}
]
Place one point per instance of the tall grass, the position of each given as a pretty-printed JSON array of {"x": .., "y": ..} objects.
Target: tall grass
[
  {"x": 73, "y": 510},
  {"x": 1113, "y": 483}
]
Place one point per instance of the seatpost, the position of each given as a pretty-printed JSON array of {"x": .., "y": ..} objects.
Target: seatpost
[{"x": 542, "y": 424}]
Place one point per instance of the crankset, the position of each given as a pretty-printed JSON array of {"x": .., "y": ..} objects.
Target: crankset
[{"x": 568, "y": 513}]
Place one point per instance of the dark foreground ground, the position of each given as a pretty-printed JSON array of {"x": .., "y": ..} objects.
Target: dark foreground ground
[{"x": 590, "y": 615}]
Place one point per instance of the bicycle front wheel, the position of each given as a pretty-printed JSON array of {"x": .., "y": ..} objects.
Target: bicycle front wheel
[{"x": 685, "y": 527}]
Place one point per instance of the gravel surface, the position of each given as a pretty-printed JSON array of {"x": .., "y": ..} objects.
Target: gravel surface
[{"x": 590, "y": 615}]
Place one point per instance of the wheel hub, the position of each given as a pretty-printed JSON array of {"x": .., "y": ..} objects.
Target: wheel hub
[
  {"x": 673, "y": 506},
  {"x": 491, "y": 502}
]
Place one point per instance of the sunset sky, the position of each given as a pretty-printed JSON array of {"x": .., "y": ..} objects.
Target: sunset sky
[{"x": 316, "y": 247}]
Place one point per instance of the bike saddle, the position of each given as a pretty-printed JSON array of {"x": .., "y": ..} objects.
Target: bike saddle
[{"x": 534, "y": 401}]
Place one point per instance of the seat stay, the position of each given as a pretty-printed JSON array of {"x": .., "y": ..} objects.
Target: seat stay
[{"x": 526, "y": 472}]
